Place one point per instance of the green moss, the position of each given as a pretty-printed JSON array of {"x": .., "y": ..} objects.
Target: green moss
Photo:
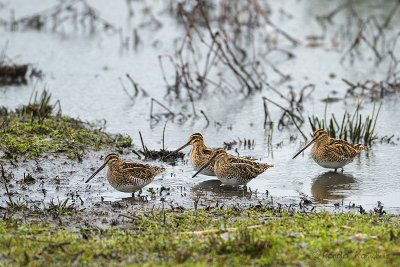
[
  {"x": 158, "y": 237},
  {"x": 23, "y": 134}
]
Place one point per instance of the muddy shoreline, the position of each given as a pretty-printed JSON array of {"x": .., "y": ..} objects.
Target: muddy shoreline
[{"x": 51, "y": 189}]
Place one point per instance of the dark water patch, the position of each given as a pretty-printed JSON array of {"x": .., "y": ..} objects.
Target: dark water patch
[
  {"x": 17, "y": 74},
  {"x": 13, "y": 74}
]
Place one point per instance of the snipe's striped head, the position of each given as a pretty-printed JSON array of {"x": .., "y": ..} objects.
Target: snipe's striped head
[
  {"x": 108, "y": 160},
  {"x": 197, "y": 137},
  {"x": 194, "y": 138},
  {"x": 318, "y": 136}
]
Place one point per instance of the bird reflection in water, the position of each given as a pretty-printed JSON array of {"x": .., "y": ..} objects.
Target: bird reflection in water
[
  {"x": 331, "y": 186},
  {"x": 220, "y": 191}
]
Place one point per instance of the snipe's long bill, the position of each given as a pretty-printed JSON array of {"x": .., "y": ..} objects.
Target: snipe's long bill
[
  {"x": 330, "y": 152},
  {"x": 233, "y": 170},
  {"x": 127, "y": 176}
]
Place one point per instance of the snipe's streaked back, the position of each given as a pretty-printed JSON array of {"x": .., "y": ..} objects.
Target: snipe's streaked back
[
  {"x": 233, "y": 170},
  {"x": 330, "y": 152},
  {"x": 127, "y": 176},
  {"x": 200, "y": 154}
]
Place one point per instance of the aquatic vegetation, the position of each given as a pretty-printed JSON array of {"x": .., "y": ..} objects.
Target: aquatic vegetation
[
  {"x": 213, "y": 50},
  {"x": 235, "y": 236},
  {"x": 366, "y": 32},
  {"x": 158, "y": 154},
  {"x": 353, "y": 127}
]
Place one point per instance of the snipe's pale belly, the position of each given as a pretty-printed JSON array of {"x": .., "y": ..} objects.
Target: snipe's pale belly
[
  {"x": 231, "y": 181},
  {"x": 128, "y": 187},
  {"x": 333, "y": 164}
]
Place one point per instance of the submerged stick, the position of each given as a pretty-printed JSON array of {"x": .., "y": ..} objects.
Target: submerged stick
[
  {"x": 204, "y": 114},
  {"x": 159, "y": 103},
  {"x": 298, "y": 128},
  {"x": 266, "y": 114},
  {"x": 390, "y": 16},
  {"x": 144, "y": 147},
  {"x": 284, "y": 109},
  {"x": 163, "y": 134},
  {"x": 125, "y": 90},
  {"x": 135, "y": 85},
  {"x": 294, "y": 41}
]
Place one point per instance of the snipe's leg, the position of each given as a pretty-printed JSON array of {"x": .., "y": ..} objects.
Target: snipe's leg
[
  {"x": 133, "y": 194},
  {"x": 342, "y": 170},
  {"x": 335, "y": 170}
]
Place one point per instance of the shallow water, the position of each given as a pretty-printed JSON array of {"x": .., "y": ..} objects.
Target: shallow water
[{"x": 83, "y": 73}]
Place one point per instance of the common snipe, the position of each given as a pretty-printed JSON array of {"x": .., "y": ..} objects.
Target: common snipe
[
  {"x": 127, "y": 176},
  {"x": 200, "y": 154},
  {"x": 331, "y": 153},
  {"x": 233, "y": 170}
]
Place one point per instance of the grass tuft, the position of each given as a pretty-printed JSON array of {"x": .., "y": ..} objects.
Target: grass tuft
[
  {"x": 34, "y": 128},
  {"x": 352, "y": 127}
]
